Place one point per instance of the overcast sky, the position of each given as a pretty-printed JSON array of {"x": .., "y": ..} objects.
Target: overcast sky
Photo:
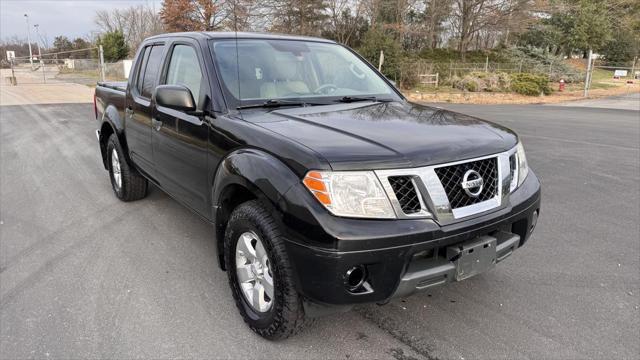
[{"x": 73, "y": 18}]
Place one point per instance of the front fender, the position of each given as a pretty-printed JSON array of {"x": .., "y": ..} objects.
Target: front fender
[
  {"x": 258, "y": 172},
  {"x": 255, "y": 170}
]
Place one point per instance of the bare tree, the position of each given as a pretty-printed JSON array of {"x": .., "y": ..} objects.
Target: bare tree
[
  {"x": 345, "y": 20},
  {"x": 247, "y": 15},
  {"x": 481, "y": 21},
  {"x": 423, "y": 23},
  {"x": 436, "y": 13},
  {"x": 135, "y": 22},
  {"x": 302, "y": 17},
  {"x": 196, "y": 15},
  {"x": 14, "y": 43},
  {"x": 390, "y": 14}
]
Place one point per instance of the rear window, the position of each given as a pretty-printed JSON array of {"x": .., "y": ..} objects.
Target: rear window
[
  {"x": 143, "y": 66},
  {"x": 152, "y": 69}
]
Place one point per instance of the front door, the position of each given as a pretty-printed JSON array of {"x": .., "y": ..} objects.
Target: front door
[{"x": 180, "y": 139}]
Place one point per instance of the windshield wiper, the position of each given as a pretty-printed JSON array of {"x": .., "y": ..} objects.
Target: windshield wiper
[
  {"x": 350, "y": 99},
  {"x": 273, "y": 103}
]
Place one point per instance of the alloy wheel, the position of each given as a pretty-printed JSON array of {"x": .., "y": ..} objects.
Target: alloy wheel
[
  {"x": 115, "y": 169},
  {"x": 253, "y": 269}
]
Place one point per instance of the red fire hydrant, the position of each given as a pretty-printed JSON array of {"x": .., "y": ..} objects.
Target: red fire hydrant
[{"x": 561, "y": 87}]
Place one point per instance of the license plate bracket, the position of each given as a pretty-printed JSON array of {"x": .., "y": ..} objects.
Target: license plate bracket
[{"x": 474, "y": 257}]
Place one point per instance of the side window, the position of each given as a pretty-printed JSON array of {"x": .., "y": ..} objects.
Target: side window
[
  {"x": 184, "y": 69},
  {"x": 152, "y": 70},
  {"x": 141, "y": 69}
]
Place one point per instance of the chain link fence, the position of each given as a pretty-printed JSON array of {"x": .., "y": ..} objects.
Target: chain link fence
[
  {"x": 414, "y": 73},
  {"x": 117, "y": 71},
  {"x": 77, "y": 66},
  {"x": 80, "y": 66}
]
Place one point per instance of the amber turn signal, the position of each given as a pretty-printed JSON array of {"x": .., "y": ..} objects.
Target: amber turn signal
[{"x": 316, "y": 184}]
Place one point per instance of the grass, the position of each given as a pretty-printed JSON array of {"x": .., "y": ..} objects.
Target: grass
[
  {"x": 87, "y": 73},
  {"x": 88, "y": 77},
  {"x": 601, "y": 75},
  {"x": 603, "y": 79},
  {"x": 569, "y": 94},
  {"x": 602, "y": 85},
  {"x": 431, "y": 88},
  {"x": 595, "y": 85}
]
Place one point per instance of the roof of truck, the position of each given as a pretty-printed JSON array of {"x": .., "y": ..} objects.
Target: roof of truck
[{"x": 240, "y": 35}]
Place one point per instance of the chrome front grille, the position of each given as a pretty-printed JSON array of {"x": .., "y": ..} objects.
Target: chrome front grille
[
  {"x": 452, "y": 177},
  {"x": 437, "y": 191},
  {"x": 405, "y": 191}
]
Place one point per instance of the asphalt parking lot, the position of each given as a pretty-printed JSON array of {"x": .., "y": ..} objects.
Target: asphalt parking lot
[{"x": 83, "y": 275}]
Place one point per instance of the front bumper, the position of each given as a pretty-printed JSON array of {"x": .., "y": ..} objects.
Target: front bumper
[
  {"x": 400, "y": 256},
  {"x": 426, "y": 272}
]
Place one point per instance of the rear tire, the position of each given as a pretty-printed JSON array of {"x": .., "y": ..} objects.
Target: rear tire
[
  {"x": 284, "y": 315},
  {"x": 127, "y": 183}
]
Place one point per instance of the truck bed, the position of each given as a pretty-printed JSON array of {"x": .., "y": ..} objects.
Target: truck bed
[
  {"x": 110, "y": 97},
  {"x": 114, "y": 85}
]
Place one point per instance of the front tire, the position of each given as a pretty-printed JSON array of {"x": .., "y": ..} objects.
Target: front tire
[
  {"x": 260, "y": 273},
  {"x": 127, "y": 183}
]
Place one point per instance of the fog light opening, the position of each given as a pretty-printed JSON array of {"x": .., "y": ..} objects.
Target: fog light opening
[
  {"x": 355, "y": 278},
  {"x": 534, "y": 221}
]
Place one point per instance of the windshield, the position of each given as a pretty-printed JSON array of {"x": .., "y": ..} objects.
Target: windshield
[{"x": 263, "y": 70}]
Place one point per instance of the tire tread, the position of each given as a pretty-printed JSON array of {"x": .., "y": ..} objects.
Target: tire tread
[
  {"x": 290, "y": 318},
  {"x": 134, "y": 185}
]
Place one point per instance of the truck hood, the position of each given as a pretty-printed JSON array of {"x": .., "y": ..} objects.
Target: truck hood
[{"x": 386, "y": 135}]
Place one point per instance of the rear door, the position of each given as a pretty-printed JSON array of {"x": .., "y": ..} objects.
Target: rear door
[
  {"x": 180, "y": 139},
  {"x": 139, "y": 107}
]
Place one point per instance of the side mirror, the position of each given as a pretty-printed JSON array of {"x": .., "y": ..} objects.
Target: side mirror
[{"x": 175, "y": 97}]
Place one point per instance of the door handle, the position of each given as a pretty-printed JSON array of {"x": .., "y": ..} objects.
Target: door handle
[{"x": 156, "y": 124}]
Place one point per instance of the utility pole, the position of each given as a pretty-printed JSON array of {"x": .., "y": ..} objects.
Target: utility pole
[
  {"x": 101, "y": 53},
  {"x": 44, "y": 75},
  {"x": 37, "y": 26},
  {"x": 29, "y": 40},
  {"x": 587, "y": 79}
]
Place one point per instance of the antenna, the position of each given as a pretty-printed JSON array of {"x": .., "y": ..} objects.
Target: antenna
[{"x": 235, "y": 29}]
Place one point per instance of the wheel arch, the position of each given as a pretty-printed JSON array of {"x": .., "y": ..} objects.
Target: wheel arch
[
  {"x": 106, "y": 130},
  {"x": 112, "y": 124},
  {"x": 244, "y": 175}
]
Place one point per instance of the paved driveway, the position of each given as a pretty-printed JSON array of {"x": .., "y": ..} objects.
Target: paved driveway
[
  {"x": 29, "y": 91},
  {"x": 83, "y": 275},
  {"x": 622, "y": 102}
]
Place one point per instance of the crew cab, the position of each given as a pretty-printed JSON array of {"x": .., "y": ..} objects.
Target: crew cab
[{"x": 324, "y": 186}]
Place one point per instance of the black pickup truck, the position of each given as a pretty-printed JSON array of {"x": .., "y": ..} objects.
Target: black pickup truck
[{"x": 325, "y": 187}]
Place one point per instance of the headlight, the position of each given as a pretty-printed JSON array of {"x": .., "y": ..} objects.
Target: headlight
[
  {"x": 350, "y": 193},
  {"x": 519, "y": 167}
]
